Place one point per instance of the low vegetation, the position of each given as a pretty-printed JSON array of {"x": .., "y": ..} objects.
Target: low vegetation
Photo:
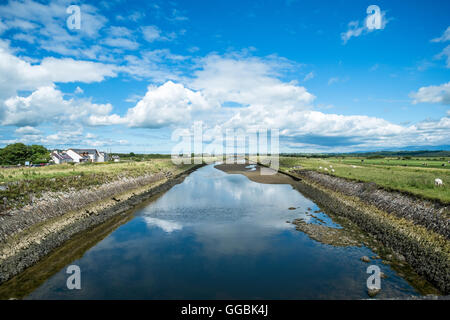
[
  {"x": 141, "y": 157},
  {"x": 414, "y": 175},
  {"x": 19, "y": 185}
]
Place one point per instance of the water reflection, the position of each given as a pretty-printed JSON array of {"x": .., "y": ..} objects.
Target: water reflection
[
  {"x": 167, "y": 226},
  {"x": 229, "y": 214},
  {"x": 219, "y": 235}
]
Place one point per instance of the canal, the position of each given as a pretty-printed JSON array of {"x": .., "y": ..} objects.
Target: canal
[{"x": 219, "y": 235}]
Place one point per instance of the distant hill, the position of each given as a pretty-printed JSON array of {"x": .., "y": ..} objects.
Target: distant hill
[{"x": 418, "y": 153}]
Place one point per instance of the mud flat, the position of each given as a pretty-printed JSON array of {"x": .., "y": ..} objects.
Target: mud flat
[{"x": 29, "y": 234}]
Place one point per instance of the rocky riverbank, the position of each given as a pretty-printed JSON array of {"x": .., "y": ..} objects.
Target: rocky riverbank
[
  {"x": 30, "y": 233},
  {"x": 416, "y": 229},
  {"x": 430, "y": 214}
]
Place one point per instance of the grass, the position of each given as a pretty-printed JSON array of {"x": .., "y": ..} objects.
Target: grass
[
  {"x": 20, "y": 185},
  {"x": 392, "y": 173},
  {"x": 110, "y": 169}
]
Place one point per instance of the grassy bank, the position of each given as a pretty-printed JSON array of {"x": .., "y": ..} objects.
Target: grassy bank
[
  {"x": 21, "y": 185},
  {"x": 415, "y": 176}
]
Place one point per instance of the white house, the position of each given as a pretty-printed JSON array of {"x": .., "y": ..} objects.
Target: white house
[
  {"x": 103, "y": 157},
  {"x": 116, "y": 158},
  {"x": 79, "y": 155},
  {"x": 60, "y": 157},
  {"x": 86, "y": 155}
]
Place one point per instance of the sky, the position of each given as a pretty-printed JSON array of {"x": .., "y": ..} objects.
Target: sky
[{"x": 136, "y": 75}]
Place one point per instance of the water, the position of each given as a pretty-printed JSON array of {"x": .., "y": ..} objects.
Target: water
[{"x": 220, "y": 236}]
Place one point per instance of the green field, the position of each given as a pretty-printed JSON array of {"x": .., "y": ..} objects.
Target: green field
[{"x": 392, "y": 173}]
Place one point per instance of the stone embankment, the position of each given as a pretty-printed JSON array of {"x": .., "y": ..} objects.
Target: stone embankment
[
  {"x": 415, "y": 228},
  {"x": 430, "y": 214},
  {"x": 30, "y": 233}
]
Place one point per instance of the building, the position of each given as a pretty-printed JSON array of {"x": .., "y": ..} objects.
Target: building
[
  {"x": 60, "y": 157},
  {"x": 86, "y": 155},
  {"x": 103, "y": 157},
  {"x": 116, "y": 158},
  {"x": 79, "y": 156}
]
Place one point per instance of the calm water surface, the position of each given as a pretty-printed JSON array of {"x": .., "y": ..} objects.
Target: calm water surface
[{"x": 219, "y": 236}]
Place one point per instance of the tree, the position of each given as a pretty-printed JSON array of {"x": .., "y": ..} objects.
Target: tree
[
  {"x": 15, "y": 153},
  {"x": 35, "y": 148},
  {"x": 39, "y": 154},
  {"x": 19, "y": 153}
]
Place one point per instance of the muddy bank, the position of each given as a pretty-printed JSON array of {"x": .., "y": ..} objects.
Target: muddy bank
[
  {"x": 254, "y": 173},
  {"x": 327, "y": 235},
  {"x": 34, "y": 232}
]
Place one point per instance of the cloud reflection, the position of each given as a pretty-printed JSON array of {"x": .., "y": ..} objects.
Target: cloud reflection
[
  {"x": 227, "y": 213},
  {"x": 167, "y": 226}
]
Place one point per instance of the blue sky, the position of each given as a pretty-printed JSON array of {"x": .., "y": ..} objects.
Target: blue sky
[{"x": 136, "y": 72}]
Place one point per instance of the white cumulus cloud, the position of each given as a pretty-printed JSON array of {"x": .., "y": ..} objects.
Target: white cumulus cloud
[
  {"x": 170, "y": 103},
  {"x": 248, "y": 81},
  {"x": 432, "y": 94},
  {"x": 47, "y": 104}
]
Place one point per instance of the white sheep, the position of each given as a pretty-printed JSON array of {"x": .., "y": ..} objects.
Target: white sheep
[
  {"x": 326, "y": 169},
  {"x": 438, "y": 182},
  {"x": 320, "y": 168},
  {"x": 332, "y": 170},
  {"x": 331, "y": 166},
  {"x": 353, "y": 166}
]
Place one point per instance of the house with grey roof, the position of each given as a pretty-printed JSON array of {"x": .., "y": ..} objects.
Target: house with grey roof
[
  {"x": 60, "y": 157},
  {"x": 79, "y": 156}
]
